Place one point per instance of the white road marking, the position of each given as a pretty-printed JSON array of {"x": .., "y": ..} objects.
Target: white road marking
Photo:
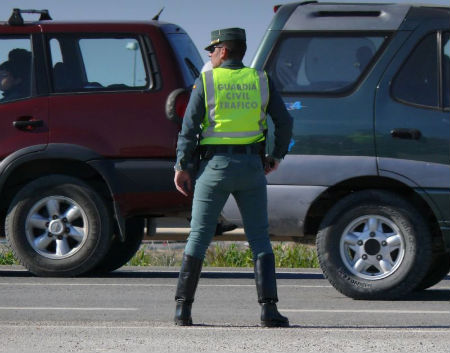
[
  {"x": 428, "y": 312},
  {"x": 24, "y": 284},
  {"x": 18, "y": 284},
  {"x": 302, "y": 329},
  {"x": 366, "y": 311},
  {"x": 65, "y": 308}
]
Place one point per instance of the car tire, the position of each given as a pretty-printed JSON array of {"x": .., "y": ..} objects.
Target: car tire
[
  {"x": 374, "y": 245},
  {"x": 439, "y": 268},
  {"x": 121, "y": 252},
  {"x": 58, "y": 225}
]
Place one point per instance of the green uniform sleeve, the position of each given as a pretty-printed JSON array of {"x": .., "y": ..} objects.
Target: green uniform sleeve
[{"x": 193, "y": 118}]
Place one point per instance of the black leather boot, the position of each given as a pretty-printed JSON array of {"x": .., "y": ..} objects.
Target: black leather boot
[
  {"x": 187, "y": 284},
  {"x": 266, "y": 287}
]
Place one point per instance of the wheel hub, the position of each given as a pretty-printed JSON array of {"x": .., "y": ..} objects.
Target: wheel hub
[
  {"x": 56, "y": 227},
  {"x": 372, "y": 247}
]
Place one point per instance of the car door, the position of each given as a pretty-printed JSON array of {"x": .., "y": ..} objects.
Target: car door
[
  {"x": 106, "y": 98},
  {"x": 23, "y": 110},
  {"x": 412, "y": 116}
]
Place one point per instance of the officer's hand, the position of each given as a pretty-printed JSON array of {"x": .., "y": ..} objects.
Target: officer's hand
[
  {"x": 270, "y": 164},
  {"x": 182, "y": 181}
]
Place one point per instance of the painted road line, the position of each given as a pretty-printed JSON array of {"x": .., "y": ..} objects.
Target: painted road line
[
  {"x": 18, "y": 284},
  {"x": 390, "y": 330},
  {"x": 364, "y": 311},
  {"x": 24, "y": 284},
  {"x": 52, "y": 308}
]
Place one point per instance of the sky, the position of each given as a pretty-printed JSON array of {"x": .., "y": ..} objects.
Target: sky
[{"x": 197, "y": 17}]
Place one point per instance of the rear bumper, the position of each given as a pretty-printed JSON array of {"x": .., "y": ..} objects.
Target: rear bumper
[{"x": 287, "y": 208}]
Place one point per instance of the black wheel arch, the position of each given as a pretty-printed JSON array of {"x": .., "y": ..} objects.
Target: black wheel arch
[
  {"x": 319, "y": 208},
  {"x": 35, "y": 161}
]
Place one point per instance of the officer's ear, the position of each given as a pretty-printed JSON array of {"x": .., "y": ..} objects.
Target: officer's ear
[{"x": 224, "y": 53}]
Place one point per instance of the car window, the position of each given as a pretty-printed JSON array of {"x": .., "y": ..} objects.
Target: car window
[
  {"x": 187, "y": 55},
  {"x": 417, "y": 81},
  {"x": 15, "y": 68},
  {"x": 446, "y": 70},
  {"x": 321, "y": 64},
  {"x": 86, "y": 64}
]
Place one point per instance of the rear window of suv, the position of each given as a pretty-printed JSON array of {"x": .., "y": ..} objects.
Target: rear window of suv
[
  {"x": 322, "y": 63},
  {"x": 187, "y": 55}
]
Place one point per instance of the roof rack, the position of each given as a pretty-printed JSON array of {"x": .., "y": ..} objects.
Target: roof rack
[{"x": 16, "y": 18}]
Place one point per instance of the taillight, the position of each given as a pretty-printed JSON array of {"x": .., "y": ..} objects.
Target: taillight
[
  {"x": 276, "y": 7},
  {"x": 176, "y": 104},
  {"x": 181, "y": 103}
]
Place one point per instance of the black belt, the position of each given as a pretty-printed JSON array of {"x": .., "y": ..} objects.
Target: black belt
[{"x": 253, "y": 148}]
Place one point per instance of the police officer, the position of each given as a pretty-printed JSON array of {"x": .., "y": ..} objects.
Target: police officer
[{"x": 227, "y": 115}]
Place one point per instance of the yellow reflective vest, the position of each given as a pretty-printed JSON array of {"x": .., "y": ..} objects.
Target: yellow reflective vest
[{"x": 236, "y": 102}]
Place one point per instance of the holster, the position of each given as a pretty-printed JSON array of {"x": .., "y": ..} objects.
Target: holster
[
  {"x": 205, "y": 152},
  {"x": 196, "y": 156}
]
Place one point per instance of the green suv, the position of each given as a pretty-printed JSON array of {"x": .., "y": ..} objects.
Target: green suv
[{"x": 368, "y": 173}]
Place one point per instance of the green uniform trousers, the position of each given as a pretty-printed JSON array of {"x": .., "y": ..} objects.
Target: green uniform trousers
[{"x": 241, "y": 175}]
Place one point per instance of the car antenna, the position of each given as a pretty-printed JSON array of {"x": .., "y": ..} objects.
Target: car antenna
[{"x": 156, "y": 18}]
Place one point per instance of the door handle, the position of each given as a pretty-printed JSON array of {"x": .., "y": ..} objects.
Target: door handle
[
  {"x": 409, "y": 134},
  {"x": 27, "y": 124}
]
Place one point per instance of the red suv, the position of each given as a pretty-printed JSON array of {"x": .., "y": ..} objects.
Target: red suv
[{"x": 88, "y": 131}]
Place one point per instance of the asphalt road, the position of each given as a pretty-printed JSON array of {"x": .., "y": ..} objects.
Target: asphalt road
[{"x": 131, "y": 311}]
